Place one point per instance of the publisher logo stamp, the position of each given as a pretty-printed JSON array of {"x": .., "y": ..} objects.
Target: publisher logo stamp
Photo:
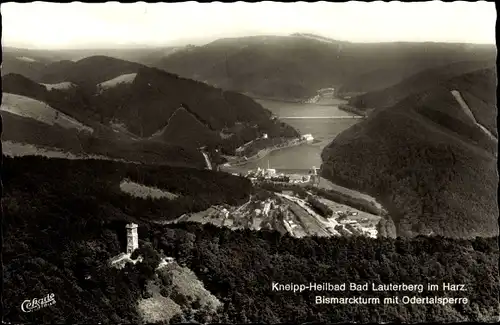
[{"x": 35, "y": 304}]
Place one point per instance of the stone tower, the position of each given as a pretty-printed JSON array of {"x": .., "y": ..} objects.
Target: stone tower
[{"x": 132, "y": 238}]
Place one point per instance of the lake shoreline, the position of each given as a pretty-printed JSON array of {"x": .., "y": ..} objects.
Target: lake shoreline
[
  {"x": 303, "y": 157},
  {"x": 354, "y": 110},
  {"x": 265, "y": 152}
]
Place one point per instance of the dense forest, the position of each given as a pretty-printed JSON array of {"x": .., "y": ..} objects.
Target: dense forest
[
  {"x": 65, "y": 218},
  {"x": 239, "y": 267},
  {"x": 426, "y": 160}
]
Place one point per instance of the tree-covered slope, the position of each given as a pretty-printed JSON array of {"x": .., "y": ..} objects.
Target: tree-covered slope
[
  {"x": 427, "y": 160},
  {"x": 133, "y": 99},
  {"x": 62, "y": 240},
  {"x": 296, "y": 66}
]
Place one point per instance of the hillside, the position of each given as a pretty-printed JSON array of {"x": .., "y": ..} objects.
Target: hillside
[
  {"x": 65, "y": 218},
  {"x": 428, "y": 158},
  {"x": 88, "y": 71},
  {"x": 123, "y": 99},
  {"x": 23, "y": 62},
  {"x": 67, "y": 254},
  {"x": 296, "y": 66}
]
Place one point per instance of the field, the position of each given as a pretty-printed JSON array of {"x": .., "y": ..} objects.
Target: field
[
  {"x": 367, "y": 221},
  {"x": 143, "y": 191},
  {"x": 123, "y": 79},
  {"x": 16, "y": 149},
  {"x": 31, "y": 108},
  {"x": 326, "y": 184},
  {"x": 59, "y": 86}
]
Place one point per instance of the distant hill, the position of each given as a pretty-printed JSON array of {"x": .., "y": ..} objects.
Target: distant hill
[
  {"x": 130, "y": 101},
  {"x": 25, "y": 65},
  {"x": 29, "y": 62},
  {"x": 88, "y": 71},
  {"x": 428, "y": 153},
  {"x": 283, "y": 67},
  {"x": 296, "y": 66}
]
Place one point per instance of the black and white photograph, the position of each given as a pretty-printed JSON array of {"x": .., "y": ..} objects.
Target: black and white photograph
[{"x": 249, "y": 163}]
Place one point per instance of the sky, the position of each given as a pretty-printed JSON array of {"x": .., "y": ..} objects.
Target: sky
[{"x": 45, "y": 25}]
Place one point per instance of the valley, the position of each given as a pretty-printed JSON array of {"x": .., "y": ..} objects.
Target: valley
[
  {"x": 318, "y": 123},
  {"x": 171, "y": 163},
  {"x": 286, "y": 212}
]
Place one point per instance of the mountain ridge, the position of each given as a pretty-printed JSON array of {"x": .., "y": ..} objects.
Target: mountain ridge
[{"x": 294, "y": 67}]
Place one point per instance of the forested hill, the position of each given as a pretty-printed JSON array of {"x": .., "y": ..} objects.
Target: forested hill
[
  {"x": 66, "y": 253},
  {"x": 63, "y": 219},
  {"x": 296, "y": 66},
  {"x": 287, "y": 67},
  {"x": 431, "y": 158},
  {"x": 140, "y": 101}
]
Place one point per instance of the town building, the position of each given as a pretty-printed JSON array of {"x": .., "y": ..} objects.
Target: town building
[{"x": 308, "y": 137}]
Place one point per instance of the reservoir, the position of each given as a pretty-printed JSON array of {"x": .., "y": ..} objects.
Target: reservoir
[{"x": 324, "y": 121}]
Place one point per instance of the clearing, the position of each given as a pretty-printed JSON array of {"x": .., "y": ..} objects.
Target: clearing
[
  {"x": 468, "y": 111},
  {"x": 145, "y": 192},
  {"x": 40, "y": 111},
  {"x": 123, "y": 79},
  {"x": 59, "y": 86}
]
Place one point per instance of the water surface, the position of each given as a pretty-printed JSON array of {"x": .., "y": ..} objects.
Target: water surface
[{"x": 305, "y": 156}]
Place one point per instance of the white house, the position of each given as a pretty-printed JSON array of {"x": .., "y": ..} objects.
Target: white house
[
  {"x": 308, "y": 137},
  {"x": 270, "y": 172}
]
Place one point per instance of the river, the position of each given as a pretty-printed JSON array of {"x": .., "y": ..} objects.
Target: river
[{"x": 323, "y": 121}]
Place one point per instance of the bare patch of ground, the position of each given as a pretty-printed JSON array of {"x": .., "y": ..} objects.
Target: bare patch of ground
[
  {"x": 16, "y": 149},
  {"x": 175, "y": 290},
  {"x": 123, "y": 79},
  {"x": 157, "y": 309},
  {"x": 468, "y": 111},
  {"x": 326, "y": 184},
  {"x": 60, "y": 86},
  {"x": 346, "y": 215},
  {"x": 145, "y": 192},
  {"x": 40, "y": 111},
  {"x": 26, "y": 59}
]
